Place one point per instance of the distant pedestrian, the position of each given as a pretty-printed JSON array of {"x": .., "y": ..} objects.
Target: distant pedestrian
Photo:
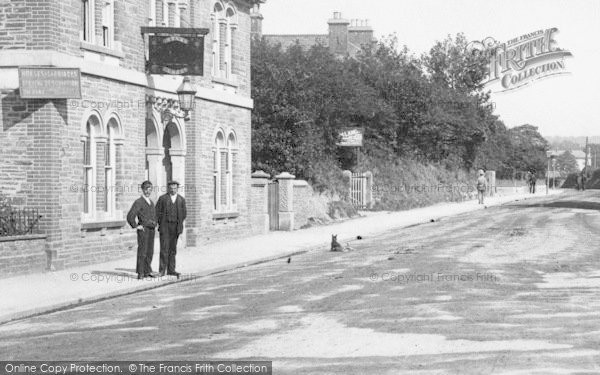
[
  {"x": 142, "y": 217},
  {"x": 171, "y": 212},
  {"x": 481, "y": 185},
  {"x": 583, "y": 178},
  {"x": 532, "y": 181}
]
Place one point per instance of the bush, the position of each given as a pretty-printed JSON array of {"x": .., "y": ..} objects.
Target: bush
[
  {"x": 326, "y": 176},
  {"x": 570, "y": 181},
  {"x": 341, "y": 209},
  {"x": 404, "y": 183}
]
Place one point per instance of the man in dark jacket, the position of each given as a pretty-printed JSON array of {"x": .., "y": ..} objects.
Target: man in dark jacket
[
  {"x": 171, "y": 212},
  {"x": 532, "y": 181},
  {"x": 142, "y": 216}
]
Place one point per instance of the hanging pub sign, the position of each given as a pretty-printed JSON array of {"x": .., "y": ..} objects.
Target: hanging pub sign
[
  {"x": 176, "y": 54},
  {"x": 351, "y": 137},
  {"x": 49, "y": 83}
]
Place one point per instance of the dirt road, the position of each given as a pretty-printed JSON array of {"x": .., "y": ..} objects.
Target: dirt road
[{"x": 508, "y": 290}]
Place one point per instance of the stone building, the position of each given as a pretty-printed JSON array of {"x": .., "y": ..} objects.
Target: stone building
[
  {"x": 80, "y": 161},
  {"x": 344, "y": 37}
]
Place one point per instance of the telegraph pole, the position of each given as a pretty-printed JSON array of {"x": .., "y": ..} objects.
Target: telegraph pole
[{"x": 587, "y": 149}]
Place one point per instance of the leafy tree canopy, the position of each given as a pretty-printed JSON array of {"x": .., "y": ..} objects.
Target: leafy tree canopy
[{"x": 430, "y": 108}]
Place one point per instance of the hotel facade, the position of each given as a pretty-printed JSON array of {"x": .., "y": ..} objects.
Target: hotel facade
[{"x": 84, "y": 120}]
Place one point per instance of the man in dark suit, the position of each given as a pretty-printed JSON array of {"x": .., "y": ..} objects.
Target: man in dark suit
[
  {"x": 171, "y": 212},
  {"x": 142, "y": 216}
]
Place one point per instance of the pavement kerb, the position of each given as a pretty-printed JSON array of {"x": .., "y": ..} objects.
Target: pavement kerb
[
  {"x": 48, "y": 309},
  {"x": 205, "y": 273},
  {"x": 515, "y": 198}
]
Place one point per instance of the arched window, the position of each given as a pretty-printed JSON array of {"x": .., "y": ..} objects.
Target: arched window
[
  {"x": 224, "y": 25},
  {"x": 92, "y": 131},
  {"x": 230, "y": 36},
  {"x": 217, "y": 170},
  {"x": 102, "y": 154},
  {"x": 232, "y": 171},
  {"x": 110, "y": 167},
  {"x": 224, "y": 172},
  {"x": 217, "y": 19}
]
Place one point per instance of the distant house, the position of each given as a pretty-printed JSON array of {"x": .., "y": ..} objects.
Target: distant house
[
  {"x": 345, "y": 37},
  {"x": 579, "y": 156}
]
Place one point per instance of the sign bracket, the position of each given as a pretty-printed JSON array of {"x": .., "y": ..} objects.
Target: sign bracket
[{"x": 157, "y": 30}]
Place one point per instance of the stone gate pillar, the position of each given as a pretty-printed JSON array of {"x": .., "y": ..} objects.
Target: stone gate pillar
[
  {"x": 260, "y": 202},
  {"x": 286, "y": 201},
  {"x": 347, "y": 176},
  {"x": 369, "y": 190}
]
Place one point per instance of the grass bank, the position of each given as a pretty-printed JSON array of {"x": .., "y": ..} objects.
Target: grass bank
[{"x": 404, "y": 184}]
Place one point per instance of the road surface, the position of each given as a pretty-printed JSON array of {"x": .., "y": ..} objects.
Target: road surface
[{"x": 506, "y": 290}]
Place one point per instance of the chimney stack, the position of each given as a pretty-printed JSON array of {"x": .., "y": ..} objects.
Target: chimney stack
[
  {"x": 256, "y": 21},
  {"x": 360, "y": 33},
  {"x": 338, "y": 34}
]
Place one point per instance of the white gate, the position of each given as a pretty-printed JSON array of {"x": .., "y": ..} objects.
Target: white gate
[{"x": 358, "y": 190}]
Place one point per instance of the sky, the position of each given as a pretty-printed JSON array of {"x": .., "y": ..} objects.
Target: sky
[{"x": 560, "y": 105}]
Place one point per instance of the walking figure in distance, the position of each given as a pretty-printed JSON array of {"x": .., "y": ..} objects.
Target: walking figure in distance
[
  {"x": 532, "y": 181},
  {"x": 481, "y": 186}
]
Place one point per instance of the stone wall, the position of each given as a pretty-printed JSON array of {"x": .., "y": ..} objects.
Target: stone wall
[
  {"x": 307, "y": 204},
  {"x": 22, "y": 254},
  {"x": 298, "y": 204}
]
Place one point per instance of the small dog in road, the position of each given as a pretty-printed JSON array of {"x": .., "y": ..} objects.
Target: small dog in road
[{"x": 336, "y": 246}]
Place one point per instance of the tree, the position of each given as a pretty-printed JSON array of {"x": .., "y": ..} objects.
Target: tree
[
  {"x": 451, "y": 64},
  {"x": 566, "y": 163},
  {"x": 442, "y": 114},
  {"x": 495, "y": 153},
  {"x": 528, "y": 148},
  {"x": 430, "y": 109},
  {"x": 303, "y": 99}
]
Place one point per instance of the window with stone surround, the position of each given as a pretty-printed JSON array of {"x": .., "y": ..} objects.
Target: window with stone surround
[
  {"x": 88, "y": 21},
  {"x": 167, "y": 13},
  {"x": 98, "y": 28},
  {"x": 92, "y": 130},
  {"x": 110, "y": 167},
  {"x": 108, "y": 23},
  {"x": 152, "y": 15},
  {"x": 224, "y": 26},
  {"x": 102, "y": 147},
  {"x": 225, "y": 154}
]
